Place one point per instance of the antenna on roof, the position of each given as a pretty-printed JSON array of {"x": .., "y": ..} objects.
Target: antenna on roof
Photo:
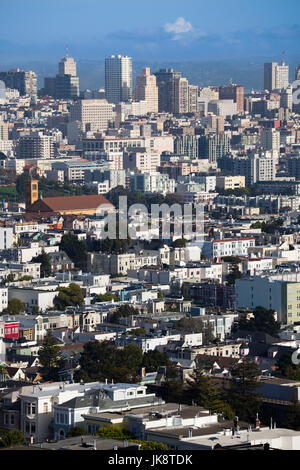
[{"x": 67, "y": 50}]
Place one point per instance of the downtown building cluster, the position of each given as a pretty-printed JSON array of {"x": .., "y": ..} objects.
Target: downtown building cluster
[{"x": 65, "y": 152}]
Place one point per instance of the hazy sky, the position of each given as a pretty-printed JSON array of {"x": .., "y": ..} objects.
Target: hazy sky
[{"x": 154, "y": 28}]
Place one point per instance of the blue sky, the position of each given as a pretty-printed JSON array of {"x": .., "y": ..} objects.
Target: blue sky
[{"x": 157, "y": 29}]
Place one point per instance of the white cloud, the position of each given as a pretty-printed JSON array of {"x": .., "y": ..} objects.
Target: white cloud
[{"x": 180, "y": 26}]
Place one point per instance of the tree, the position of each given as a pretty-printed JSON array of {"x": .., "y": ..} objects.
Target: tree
[
  {"x": 151, "y": 445},
  {"x": 286, "y": 369},
  {"x": 137, "y": 332},
  {"x": 10, "y": 277},
  {"x": 45, "y": 264},
  {"x": 3, "y": 372},
  {"x": 264, "y": 321},
  {"x": 196, "y": 325},
  {"x": 75, "y": 431},
  {"x": 124, "y": 311},
  {"x": 12, "y": 438},
  {"x": 14, "y": 307},
  {"x": 172, "y": 391},
  {"x": 180, "y": 243},
  {"x": 68, "y": 296},
  {"x": 76, "y": 250},
  {"x": 106, "y": 298},
  {"x": 101, "y": 361},
  {"x": 114, "y": 432},
  {"x": 256, "y": 225},
  {"x": 160, "y": 295},
  {"x": 272, "y": 225},
  {"x": 97, "y": 361},
  {"x": 203, "y": 391},
  {"x": 233, "y": 275},
  {"x": 242, "y": 395},
  {"x": 26, "y": 278},
  {"x": 152, "y": 360},
  {"x": 234, "y": 272},
  {"x": 20, "y": 186},
  {"x": 130, "y": 356},
  {"x": 292, "y": 416},
  {"x": 50, "y": 358},
  {"x": 115, "y": 244}
]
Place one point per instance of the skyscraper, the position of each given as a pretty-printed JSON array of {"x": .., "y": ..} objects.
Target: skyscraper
[
  {"x": 282, "y": 76},
  {"x": 276, "y": 77},
  {"x": 66, "y": 83},
  {"x": 67, "y": 66},
  {"x": 270, "y": 140},
  {"x": 175, "y": 95},
  {"x": 118, "y": 79},
  {"x": 147, "y": 90},
  {"x": 24, "y": 82},
  {"x": 165, "y": 79},
  {"x": 269, "y": 76}
]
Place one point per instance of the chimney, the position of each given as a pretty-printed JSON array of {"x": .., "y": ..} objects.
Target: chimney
[
  {"x": 257, "y": 422},
  {"x": 143, "y": 372},
  {"x": 236, "y": 424}
]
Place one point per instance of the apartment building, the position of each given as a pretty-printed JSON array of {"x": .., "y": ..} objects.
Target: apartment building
[
  {"x": 94, "y": 115},
  {"x": 142, "y": 159},
  {"x": 147, "y": 90},
  {"x": 280, "y": 293},
  {"x": 228, "y": 247}
]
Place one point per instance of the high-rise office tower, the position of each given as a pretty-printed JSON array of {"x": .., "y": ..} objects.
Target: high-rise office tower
[
  {"x": 66, "y": 87},
  {"x": 235, "y": 93},
  {"x": 269, "y": 76},
  {"x": 23, "y": 81},
  {"x": 175, "y": 95},
  {"x": 118, "y": 79},
  {"x": 67, "y": 66},
  {"x": 270, "y": 140},
  {"x": 66, "y": 83},
  {"x": 297, "y": 74},
  {"x": 286, "y": 98},
  {"x": 147, "y": 90},
  {"x": 276, "y": 77},
  {"x": 282, "y": 76},
  {"x": 165, "y": 80}
]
